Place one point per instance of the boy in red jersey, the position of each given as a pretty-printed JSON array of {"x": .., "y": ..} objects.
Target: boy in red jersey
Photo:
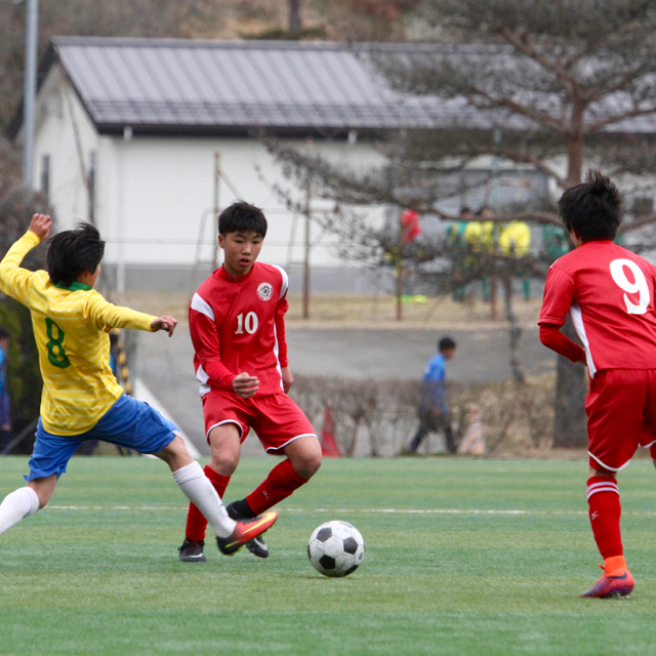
[
  {"x": 236, "y": 319},
  {"x": 609, "y": 293}
]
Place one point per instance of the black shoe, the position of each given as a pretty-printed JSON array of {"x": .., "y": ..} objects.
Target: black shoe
[
  {"x": 257, "y": 546},
  {"x": 191, "y": 551},
  {"x": 245, "y": 531}
]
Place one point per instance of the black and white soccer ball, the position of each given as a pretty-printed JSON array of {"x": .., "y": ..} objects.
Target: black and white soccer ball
[{"x": 336, "y": 549}]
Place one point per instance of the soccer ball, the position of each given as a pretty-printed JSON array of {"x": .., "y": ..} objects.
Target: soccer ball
[{"x": 336, "y": 549}]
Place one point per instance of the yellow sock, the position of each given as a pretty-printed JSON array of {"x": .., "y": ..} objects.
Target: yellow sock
[{"x": 614, "y": 566}]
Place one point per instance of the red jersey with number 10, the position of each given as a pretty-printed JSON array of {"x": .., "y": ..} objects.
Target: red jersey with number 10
[
  {"x": 237, "y": 325},
  {"x": 609, "y": 293}
]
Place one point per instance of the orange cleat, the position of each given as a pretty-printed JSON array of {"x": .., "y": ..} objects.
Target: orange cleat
[
  {"x": 612, "y": 586},
  {"x": 246, "y": 530}
]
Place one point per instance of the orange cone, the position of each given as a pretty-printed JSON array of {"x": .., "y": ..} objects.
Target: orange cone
[{"x": 329, "y": 448}]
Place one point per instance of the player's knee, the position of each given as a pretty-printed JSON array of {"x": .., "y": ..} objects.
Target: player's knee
[
  {"x": 307, "y": 466},
  {"x": 43, "y": 487},
  {"x": 224, "y": 462},
  {"x": 175, "y": 452}
]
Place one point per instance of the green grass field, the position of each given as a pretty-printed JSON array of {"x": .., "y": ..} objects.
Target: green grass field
[{"x": 462, "y": 557}]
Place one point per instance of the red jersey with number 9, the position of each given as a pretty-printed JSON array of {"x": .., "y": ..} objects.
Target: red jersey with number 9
[
  {"x": 609, "y": 293},
  {"x": 237, "y": 325}
]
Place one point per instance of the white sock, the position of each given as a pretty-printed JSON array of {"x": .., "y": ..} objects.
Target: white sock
[
  {"x": 200, "y": 491},
  {"x": 21, "y": 503}
]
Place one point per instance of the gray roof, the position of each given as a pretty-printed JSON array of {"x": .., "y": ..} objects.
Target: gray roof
[
  {"x": 234, "y": 86},
  {"x": 183, "y": 86}
]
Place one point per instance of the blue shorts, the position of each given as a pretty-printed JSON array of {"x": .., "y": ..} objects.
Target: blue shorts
[{"x": 129, "y": 423}]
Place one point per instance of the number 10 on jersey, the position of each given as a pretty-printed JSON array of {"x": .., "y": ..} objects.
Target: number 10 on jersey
[{"x": 248, "y": 323}]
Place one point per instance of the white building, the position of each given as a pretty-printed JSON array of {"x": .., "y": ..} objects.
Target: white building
[{"x": 147, "y": 137}]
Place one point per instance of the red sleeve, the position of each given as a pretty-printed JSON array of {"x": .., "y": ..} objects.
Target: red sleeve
[
  {"x": 558, "y": 297},
  {"x": 552, "y": 338},
  {"x": 281, "y": 309},
  {"x": 205, "y": 338}
]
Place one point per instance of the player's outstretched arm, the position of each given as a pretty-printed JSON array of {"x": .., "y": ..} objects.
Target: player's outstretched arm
[
  {"x": 40, "y": 225},
  {"x": 14, "y": 280},
  {"x": 166, "y": 323}
]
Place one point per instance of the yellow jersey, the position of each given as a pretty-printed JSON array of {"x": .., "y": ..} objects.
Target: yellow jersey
[{"x": 71, "y": 327}]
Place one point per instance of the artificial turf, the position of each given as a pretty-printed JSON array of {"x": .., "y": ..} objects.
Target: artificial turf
[{"x": 462, "y": 557}]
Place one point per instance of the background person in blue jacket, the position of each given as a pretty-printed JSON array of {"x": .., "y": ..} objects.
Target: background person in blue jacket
[{"x": 433, "y": 410}]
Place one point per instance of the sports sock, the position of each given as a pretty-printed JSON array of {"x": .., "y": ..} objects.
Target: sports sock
[
  {"x": 279, "y": 484},
  {"x": 198, "y": 489},
  {"x": 242, "y": 509},
  {"x": 604, "y": 511},
  {"x": 196, "y": 522},
  {"x": 615, "y": 566},
  {"x": 17, "y": 505}
]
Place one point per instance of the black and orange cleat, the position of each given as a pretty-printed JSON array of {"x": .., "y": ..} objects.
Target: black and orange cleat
[
  {"x": 246, "y": 530},
  {"x": 257, "y": 546},
  {"x": 607, "y": 587}
]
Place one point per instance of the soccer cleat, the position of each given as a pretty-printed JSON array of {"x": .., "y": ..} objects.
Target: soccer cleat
[
  {"x": 611, "y": 586},
  {"x": 257, "y": 546},
  {"x": 191, "y": 551},
  {"x": 245, "y": 530}
]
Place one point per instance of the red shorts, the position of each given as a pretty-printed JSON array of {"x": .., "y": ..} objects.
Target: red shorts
[
  {"x": 621, "y": 408},
  {"x": 275, "y": 418}
]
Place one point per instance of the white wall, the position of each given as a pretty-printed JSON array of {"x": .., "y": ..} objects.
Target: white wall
[
  {"x": 65, "y": 133},
  {"x": 155, "y": 195}
]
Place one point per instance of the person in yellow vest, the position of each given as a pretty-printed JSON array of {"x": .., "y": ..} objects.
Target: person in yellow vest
[
  {"x": 456, "y": 234},
  {"x": 515, "y": 240},
  {"x": 81, "y": 398},
  {"x": 480, "y": 236}
]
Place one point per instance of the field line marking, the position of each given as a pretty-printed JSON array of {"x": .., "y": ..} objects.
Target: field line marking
[{"x": 398, "y": 511}]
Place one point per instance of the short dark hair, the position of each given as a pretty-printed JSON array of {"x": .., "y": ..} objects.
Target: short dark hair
[
  {"x": 445, "y": 344},
  {"x": 242, "y": 217},
  {"x": 72, "y": 252},
  {"x": 593, "y": 209},
  {"x": 4, "y": 333}
]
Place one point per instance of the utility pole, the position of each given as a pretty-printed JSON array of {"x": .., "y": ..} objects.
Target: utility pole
[
  {"x": 306, "y": 261},
  {"x": 29, "y": 100},
  {"x": 215, "y": 227},
  {"x": 496, "y": 135}
]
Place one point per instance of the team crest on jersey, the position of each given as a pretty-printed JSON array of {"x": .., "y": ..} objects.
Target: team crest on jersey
[{"x": 265, "y": 291}]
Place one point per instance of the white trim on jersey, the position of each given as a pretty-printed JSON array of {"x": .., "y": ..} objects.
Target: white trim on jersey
[
  {"x": 577, "y": 319},
  {"x": 202, "y": 377},
  {"x": 199, "y": 304},
  {"x": 285, "y": 280},
  {"x": 276, "y": 350}
]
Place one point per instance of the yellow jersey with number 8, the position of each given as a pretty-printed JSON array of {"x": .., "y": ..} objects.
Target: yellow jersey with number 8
[{"x": 71, "y": 327}]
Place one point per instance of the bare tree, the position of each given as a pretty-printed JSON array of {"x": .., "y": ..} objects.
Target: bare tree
[
  {"x": 565, "y": 82},
  {"x": 295, "y": 23}
]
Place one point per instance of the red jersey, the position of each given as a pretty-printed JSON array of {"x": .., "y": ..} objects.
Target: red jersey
[
  {"x": 609, "y": 293},
  {"x": 237, "y": 325}
]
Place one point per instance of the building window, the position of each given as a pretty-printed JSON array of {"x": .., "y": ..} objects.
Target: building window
[{"x": 45, "y": 176}]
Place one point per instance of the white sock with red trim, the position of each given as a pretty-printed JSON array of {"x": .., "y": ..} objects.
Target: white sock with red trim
[{"x": 17, "y": 505}]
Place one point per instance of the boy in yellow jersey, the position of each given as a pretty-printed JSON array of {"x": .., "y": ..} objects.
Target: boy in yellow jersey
[{"x": 81, "y": 399}]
